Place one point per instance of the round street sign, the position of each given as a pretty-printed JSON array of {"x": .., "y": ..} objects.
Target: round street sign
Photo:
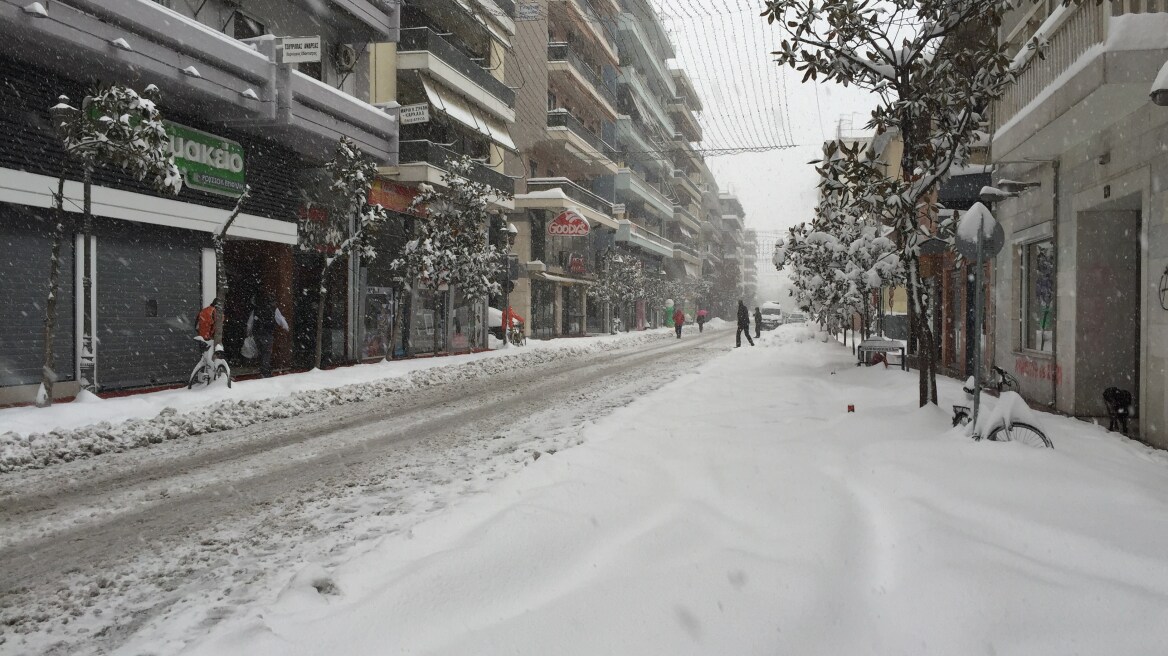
[{"x": 965, "y": 241}]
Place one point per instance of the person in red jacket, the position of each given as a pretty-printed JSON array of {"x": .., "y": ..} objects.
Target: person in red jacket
[
  {"x": 678, "y": 320},
  {"x": 208, "y": 318}
]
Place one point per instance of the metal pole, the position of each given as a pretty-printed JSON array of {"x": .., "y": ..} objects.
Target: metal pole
[
  {"x": 506, "y": 322},
  {"x": 977, "y": 322}
]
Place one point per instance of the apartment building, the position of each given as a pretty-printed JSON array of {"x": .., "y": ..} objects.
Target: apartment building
[
  {"x": 228, "y": 83},
  {"x": 730, "y": 280},
  {"x": 448, "y": 71},
  {"x": 1080, "y": 285}
]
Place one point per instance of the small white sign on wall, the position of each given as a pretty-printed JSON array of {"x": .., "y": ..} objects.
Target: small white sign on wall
[
  {"x": 301, "y": 49},
  {"x": 419, "y": 113}
]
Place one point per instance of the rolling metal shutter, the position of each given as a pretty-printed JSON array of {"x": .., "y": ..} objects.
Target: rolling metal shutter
[
  {"x": 149, "y": 292},
  {"x": 24, "y": 287}
]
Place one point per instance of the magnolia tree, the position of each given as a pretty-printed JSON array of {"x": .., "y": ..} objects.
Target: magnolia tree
[
  {"x": 450, "y": 245},
  {"x": 841, "y": 261},
  {"x": 218, "y": 239},
  {"x": 620, "y": 280},
  {"x": 933, "y": 66},
  {"x": 115, "y": 127},
  {"x": 350, "y": 224}
]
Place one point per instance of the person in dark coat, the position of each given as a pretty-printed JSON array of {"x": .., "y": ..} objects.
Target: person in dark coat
[
  {"x": 757, "y": 322},
  {"x": 743, "y": 325},
  {"x": 261, "y": 325}
]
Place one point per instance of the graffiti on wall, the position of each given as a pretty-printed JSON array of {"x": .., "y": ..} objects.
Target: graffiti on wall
[{"x": 1027, "y": 368}]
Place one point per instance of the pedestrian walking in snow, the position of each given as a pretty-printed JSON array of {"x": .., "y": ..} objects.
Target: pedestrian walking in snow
[
  {"x": 757, "y": 322},
  {"x": 209, "y": 317},
  {"x": 261, "y": 326},
  {"x": 743, "y": 325},
  {"x": 678, "y": 320},
  {"x": 701, "y": 320}
]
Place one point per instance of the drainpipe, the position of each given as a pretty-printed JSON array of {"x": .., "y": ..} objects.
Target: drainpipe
[{"x": 1054, "y": 368}]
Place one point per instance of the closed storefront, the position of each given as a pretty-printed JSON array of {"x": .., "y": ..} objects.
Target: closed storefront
[
  {"x": 149, "y": 290},
  {"x": 25, "y": 250}
]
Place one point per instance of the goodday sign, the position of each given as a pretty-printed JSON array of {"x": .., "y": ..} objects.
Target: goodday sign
[{"x": 208, "y": 162}]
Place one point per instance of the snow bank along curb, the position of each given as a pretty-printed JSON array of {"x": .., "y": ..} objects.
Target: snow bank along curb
[{"x": 43, "y": 449}]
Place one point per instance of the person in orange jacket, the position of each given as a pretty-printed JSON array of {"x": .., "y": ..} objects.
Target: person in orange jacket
[
  {"x": 678, "y": 320},
  {"x": 208, "y": 317}
]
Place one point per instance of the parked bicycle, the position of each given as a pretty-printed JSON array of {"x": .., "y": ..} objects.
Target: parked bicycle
[
  {"x": 1009, "y": 430},
  {"x": 211, "y": 365},
  {"x": 516, "y": 334}
]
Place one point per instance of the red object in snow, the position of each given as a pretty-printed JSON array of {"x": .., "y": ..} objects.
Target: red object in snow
[
  {"x": 851, "y": 408},
  {"x": 510, "y": 318}
]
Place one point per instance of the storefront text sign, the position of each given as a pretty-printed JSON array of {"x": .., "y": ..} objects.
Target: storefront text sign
[
  {"x": 568, "y": 224},
  {"x": 301, "y": 49},
  {"x": 208, "y": 162},
  {"x": 411, "y": 114}
]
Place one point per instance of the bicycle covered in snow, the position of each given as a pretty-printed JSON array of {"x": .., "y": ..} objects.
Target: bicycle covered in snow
[
  {"x": 211, "y": 365},
  {"x": 1011, "y": 420}
]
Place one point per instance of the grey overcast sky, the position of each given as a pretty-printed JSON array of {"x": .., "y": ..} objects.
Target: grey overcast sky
[{"x": 750, "y": 103}]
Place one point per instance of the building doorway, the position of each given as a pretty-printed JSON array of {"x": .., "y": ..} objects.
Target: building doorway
[{"x": 1107, "y": 323}]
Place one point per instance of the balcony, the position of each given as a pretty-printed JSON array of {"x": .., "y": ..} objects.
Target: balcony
[
  {"x": 650, "y": 52},
  {"x": 632, "y": 136},
  {"x": 558, "y": 194},
  {"x": 681, "y": 179},
  {"x": 579, "y": 141},
  {"x": 630, "y": 184},
  {"x": 711, "y": 255},
  {"x": 563, "y": 60},
  {"x": 643, "y": 238},
  {"x": 1091, "y": 77},
  {"x": 422, "y": 49},
  {"x": 648, "y": 101},
  {"x": 415, "y": 155},
  {"x": 583, "y": 15},
  {"x": 685, "y": 120},
  {"x": 686, "y": 217},
  {"x": 686, "y": 253}
]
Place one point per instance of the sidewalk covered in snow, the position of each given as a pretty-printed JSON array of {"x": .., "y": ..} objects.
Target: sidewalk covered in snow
[{"x": 743, "y": 510}]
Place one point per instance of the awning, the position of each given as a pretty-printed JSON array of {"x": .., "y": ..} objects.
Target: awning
[
  {"x": 458, "y": 109},
  {"x": 551, "y": 277},
  {"x": 693, "y": 270}
]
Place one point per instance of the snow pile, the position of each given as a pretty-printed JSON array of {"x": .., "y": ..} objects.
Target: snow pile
[
  {"x": 977, "y": 216},
  {"x": 287, "y": 396},
  {"x": 744, "y": 510}
]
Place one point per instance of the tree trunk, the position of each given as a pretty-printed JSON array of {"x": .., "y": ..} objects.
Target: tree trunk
[
  {"x": 48, "y": 376},
  {"x": 88, "y": 341},
  {"x": 395, "y": 329},
  {"x": 320, "y": 317},
  {"x": 437, "y": 314},
  {"x": 220, "y": 270},
  {"x": 926, "y": 340}
]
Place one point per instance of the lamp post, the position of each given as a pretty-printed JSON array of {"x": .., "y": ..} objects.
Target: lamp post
[{"x": 512, "y": 232}]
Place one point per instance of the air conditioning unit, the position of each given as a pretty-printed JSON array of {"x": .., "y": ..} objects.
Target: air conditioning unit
[{"x": 344, "y": 57}]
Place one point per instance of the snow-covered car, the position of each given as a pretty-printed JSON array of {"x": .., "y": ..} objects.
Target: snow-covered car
[
  {"x": 772, "y": 316},
  {"x": 796, "y": 317}
]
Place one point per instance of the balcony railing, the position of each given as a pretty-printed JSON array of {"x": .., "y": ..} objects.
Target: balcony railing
[
  {"x": 425, "y": 39},
  {"x": 563, "y": 52},
  {"x": 683, "y": 214},
  {"x": 438, "y": 156},
  {"x": 649, "y": 235},
  {"x": 1081, "y": 30},
  {"x": 560, "y": 118},
  {"x": 686, "y": 248},
  {"x": 573, "y": 191}
]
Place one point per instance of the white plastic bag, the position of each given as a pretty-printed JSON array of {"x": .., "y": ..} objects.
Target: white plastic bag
[{"x": 249, "y": 349}]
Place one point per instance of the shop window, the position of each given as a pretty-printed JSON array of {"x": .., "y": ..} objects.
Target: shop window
[{"x": 1038, "y": 284}]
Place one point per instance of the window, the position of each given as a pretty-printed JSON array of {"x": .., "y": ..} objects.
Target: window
[
  {"x": 1038, "y": 284},
  {"x": 246, "y": 27}
]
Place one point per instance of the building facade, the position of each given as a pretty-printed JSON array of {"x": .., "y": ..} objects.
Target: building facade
[
  {"x": 1079, "y": 287},
  {"x": 225, "y": 85}
]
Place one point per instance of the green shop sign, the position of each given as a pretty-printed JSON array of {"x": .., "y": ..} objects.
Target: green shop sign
[{"x": 208, "y": 163}]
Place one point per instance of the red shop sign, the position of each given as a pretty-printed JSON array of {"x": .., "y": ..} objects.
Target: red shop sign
[{"x": 568, "y": 224}]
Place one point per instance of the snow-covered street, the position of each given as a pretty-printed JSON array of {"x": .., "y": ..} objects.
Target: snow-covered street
[{"x": 667, "y": 497}]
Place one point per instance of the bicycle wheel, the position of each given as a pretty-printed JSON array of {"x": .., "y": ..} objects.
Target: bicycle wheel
[{"x": 1021, "y": 432}]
